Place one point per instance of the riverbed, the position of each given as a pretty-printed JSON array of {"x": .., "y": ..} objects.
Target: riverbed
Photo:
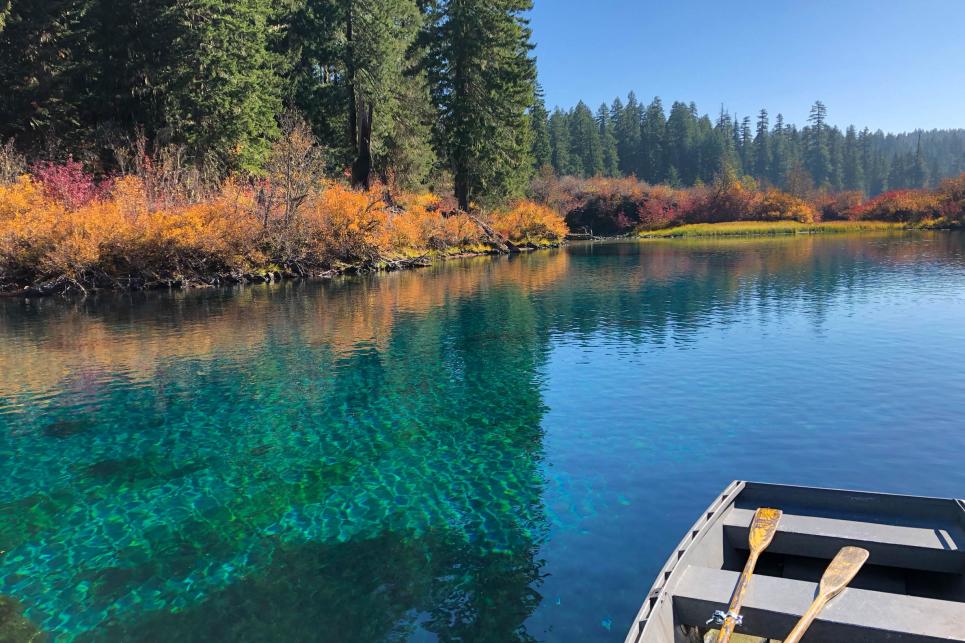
[{"x": 488, "y": 449}]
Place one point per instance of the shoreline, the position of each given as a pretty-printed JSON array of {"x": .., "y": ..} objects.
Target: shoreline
[
  {"x": 781, "y": 228},
  {"x": 66, "y": 286}
]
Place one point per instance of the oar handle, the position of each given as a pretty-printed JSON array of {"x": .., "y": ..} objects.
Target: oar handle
[
  {"x": 737, "y": 599},
  {"x": 802, "y": 625}
]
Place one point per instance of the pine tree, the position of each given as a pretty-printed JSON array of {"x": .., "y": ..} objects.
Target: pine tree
[
  {"x": 853, "y": 173},
  {"x": 356, "y": 77},
  {"x": 818, "y": 154},
  {"x": 681, "y": 143},
  {"x": 898, "y": 172},
  {"x": 722, "y": 150},
  {"x": 585, "y": 140},
  {"x": 762, "y": 148},
  {"x": 918, "y": 170},
  {"x": 611, "y": 159},
  {"x": 746, "y": 146},
  {"x": 653, "y": 132},
  {"x": 836, "y": 146},
  {"x": 560, "y": 143},
  {"x": 221, "y": 94},
  {"x": 627, "y": 130},
  {"x": 539, "y": 124},
  {"x": 780, "y": 154},
  {"x": 482, "y": 79},
  {"x": 40, "y": 52}
]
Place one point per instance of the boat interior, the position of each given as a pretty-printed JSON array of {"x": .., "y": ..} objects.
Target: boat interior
[{"x": 911, "y": 589}]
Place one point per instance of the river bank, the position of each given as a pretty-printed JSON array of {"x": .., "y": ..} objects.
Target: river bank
[
  {"x": 63, "y": 285},
  {"x": 763, "y": 228},
  {"x": 57, "y": 238}
]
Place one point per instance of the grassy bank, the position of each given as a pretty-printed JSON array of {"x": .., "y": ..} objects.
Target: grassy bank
[{"x": 748, "y": 228}]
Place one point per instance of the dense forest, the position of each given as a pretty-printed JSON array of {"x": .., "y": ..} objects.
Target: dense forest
[
  {"x": 405, "y": 91},
  {"x": 157, "y": 142},
  {"x": 429, "y": 93},
  {"x": 683, "y": 148}
]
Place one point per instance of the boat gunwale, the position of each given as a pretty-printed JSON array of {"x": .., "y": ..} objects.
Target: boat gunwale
[
  {"x": 713, "y": 513},
  {"x": 692, "y": 536}
]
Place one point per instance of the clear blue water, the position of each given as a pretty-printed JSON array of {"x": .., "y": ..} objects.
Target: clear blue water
[{"x": 487, "y": 450}]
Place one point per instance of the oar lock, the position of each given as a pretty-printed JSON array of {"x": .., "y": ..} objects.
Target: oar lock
[
  {"x": 720, "y": 616},
  {"x": 842, "y": 570}
]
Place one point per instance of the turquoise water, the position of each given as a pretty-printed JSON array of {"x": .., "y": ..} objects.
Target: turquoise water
[{"x": 486, "y": 450}]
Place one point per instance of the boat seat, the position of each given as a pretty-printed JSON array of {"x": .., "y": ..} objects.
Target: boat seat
[
  {"x": 918, "y": 548},
  {"x": 773, "y": 605}
]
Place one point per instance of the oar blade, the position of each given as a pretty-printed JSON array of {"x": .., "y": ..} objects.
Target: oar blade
[
  {"x": 842, "y": 570},
  {"x": 763, "y": 528}
]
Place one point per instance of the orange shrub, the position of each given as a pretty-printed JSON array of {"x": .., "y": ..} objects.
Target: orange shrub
[
  {"x": 344, "y": 224},
  {"x": 528, "y": 222},
  {"x": 780, "y": 206},
  {"x": 900, "y": 206},
  {"x": 839, "y": 206},
  {"x": 951, "y": 194},
  {"x": 125, "y": 235}
]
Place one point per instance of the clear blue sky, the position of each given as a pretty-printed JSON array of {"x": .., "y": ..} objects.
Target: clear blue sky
[{"x": 892, "y": 64}]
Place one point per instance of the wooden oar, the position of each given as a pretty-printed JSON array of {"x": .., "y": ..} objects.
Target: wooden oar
[
  {"x": 762, "y": 533},
  {"x": 839, "y": 573}
]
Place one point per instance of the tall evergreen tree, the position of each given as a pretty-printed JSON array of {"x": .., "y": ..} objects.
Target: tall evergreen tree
[
  {"x": 355, "y": 76},
  {"x": 836, "y": 146},
  {"x": 746, "y": 146},
  {"x": 918, "y": 170},
  {"x": 853, "y": 173},
  {"x": 539, "y": 124},
  {"x": 627, "y": 130},
  {"x": 681, "y": 143},
  {"x": 562, "y": 157},
  {"x": 608, "y": 141},
  {"x": 762, "y": 148},
  {"x": 221, "y": 94},
  {"x": 780, "y": 154},
  {"x": 39, "y": 61},
  {"x": 653, "y": 132},
  {"x": 585, "y": 140},
  {"x": 482, "y": 78},
  {"x": 818, "y": 154}
]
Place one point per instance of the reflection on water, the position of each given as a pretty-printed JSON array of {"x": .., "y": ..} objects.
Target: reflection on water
[{"x": 484, "y": 450}]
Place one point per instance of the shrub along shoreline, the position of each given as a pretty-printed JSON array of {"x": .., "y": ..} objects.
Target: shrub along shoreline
[
  {"x": 61, "y": 231},
  {"x": 627, "y": 207}
]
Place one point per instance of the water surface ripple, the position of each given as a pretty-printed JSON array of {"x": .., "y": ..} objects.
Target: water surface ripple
[{"x": 486, "y": 450}]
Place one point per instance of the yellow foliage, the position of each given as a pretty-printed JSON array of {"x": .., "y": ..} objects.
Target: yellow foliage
[
  {"x": 776, "y": 205},
  {"x": 128, "y": 233},
  {"x": 529, "y": 222}
]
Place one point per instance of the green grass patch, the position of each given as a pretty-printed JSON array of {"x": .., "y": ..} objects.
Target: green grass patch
[{"x": 740, "y": 228}]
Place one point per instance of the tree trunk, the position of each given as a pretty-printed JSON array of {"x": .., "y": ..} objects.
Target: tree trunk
[
  {"x": 359, "y": 112},
  {"x": 462, "y": 186},
  {"x": 362, "y": 166}
]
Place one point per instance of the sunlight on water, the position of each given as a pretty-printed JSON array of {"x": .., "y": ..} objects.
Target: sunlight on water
[{"x": 485, "y": 450}]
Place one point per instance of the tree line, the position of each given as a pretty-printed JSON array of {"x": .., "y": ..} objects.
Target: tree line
[
  {"x": 437, "y": 94},
  {"x": 684, "y": 148},
  {"x": 408, "y": 91}
]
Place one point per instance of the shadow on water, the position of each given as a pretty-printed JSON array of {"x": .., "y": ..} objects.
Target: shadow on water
[{"x": 356, "y": 460}]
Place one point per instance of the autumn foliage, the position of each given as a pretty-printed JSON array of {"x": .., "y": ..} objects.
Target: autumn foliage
[
  {"x": 619, "y": 206},
  {"x": 60, "y": 229}
]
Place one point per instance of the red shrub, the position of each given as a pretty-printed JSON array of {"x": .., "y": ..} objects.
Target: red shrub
[
  {"x": 900, "y": 206},
  {"x": 68, "y": 183}
]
